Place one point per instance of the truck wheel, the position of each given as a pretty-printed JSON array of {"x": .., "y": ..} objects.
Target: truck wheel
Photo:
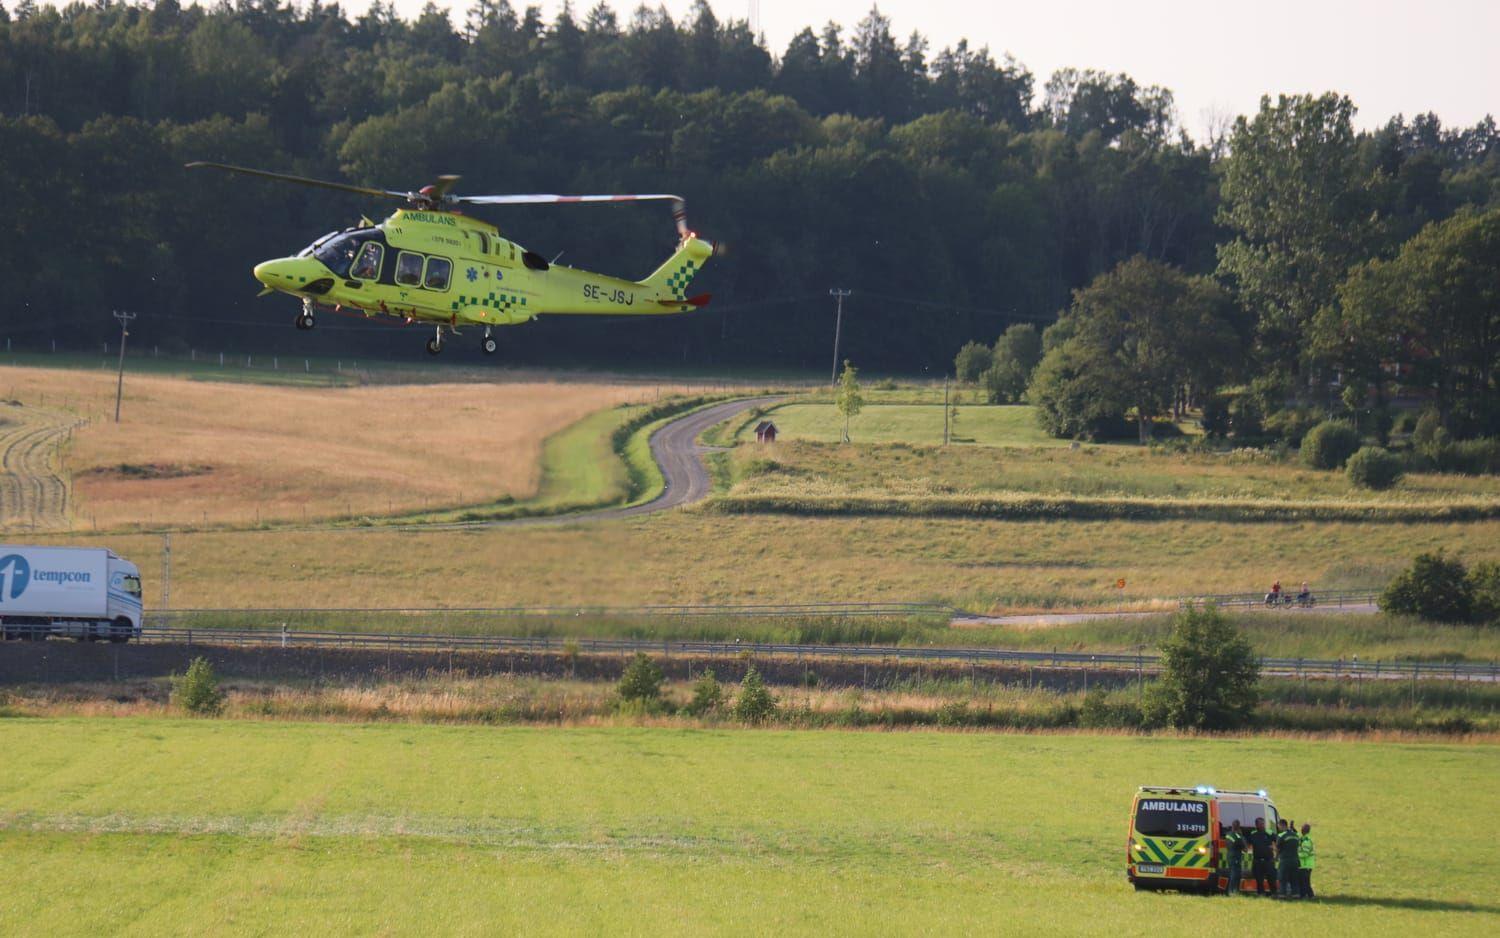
[{"x": 119, "y": 631}]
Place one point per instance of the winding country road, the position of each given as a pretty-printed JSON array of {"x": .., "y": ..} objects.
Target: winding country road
[
  {"x": 676, "y": 451},
  {"x": 675, "y": 448}
]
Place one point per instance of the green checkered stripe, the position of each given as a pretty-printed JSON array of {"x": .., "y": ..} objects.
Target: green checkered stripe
[
  {"x": 1184, "y": 854},
  {"x": 681, "y": 277},
  {"x": 501, "y": 302}
]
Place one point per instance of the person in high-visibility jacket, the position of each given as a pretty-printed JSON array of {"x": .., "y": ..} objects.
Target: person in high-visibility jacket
[
  {"x": 1307, "y": 856},
  {"x": 1234, "y": 856},
  {"x": 1288, "y": 868}
]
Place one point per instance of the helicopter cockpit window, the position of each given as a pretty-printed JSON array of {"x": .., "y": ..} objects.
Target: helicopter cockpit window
[
  {"x": 409, "y": 269},
  {"x": 311, "y": 248},
  {"x": 367, "y": 265},
  {"x": 439, "y": 271},
  {"x": 338, "y": 252}
]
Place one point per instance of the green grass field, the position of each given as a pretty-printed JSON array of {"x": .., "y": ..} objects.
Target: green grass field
[
  {"x": 908, "y": 423},
  {"x": 201, "y": 827}
]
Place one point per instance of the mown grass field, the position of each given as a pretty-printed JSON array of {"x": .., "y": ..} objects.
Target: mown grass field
[
  {"x": 1088, "y": 471},
  {"x": 690, "y": 556},
  {"x": 907, "y": 423},
  {"x": 192, "y": 453},
  {"x": 200, "y": 827}
]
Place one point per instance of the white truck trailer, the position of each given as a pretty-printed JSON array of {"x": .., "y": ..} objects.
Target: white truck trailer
[{"x": 77, "y": 592}]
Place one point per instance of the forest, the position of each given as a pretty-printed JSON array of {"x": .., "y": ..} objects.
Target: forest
[{"x": 952, "y": 190}]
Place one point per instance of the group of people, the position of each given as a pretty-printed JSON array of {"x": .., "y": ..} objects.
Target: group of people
[
  {"x": 1278, "y": 595},
  {"x": 1281, "y": 861}
]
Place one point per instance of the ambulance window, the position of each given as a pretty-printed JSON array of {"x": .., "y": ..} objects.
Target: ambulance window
[
  {"x": 439, "y": 271},
  {"x": 409, "y": 269},
  {"x": 367, "y": 265},
  {"x": 1171, "y": 817},
  {"x": 1244, "y": 812}
]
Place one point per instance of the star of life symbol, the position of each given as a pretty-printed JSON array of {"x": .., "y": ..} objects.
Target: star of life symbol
[{"x": 472, "y": 274}]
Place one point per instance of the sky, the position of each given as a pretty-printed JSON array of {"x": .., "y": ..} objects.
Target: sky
[{"x": 1389, "y": 56}]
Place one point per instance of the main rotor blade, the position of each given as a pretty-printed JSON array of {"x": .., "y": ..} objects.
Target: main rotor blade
[
  {"x": 443, "y": 184},
  {"x": 304, "y": 181},
  {"x": 559, "y": 199}
]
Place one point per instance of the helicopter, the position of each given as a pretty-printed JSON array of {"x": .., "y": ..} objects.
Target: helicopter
[{"x": 430, "y": 263}]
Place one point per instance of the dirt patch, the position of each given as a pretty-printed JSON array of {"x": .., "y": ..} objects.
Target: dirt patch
[{"x": 134, "y": 471}]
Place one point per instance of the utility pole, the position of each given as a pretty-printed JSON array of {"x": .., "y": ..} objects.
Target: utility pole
[
  {"x": 166, "y": 571},
  {"x": 838, "y": 326},
  {"x": 945, "y": 410},
  {"x": 124, "y": 319}
]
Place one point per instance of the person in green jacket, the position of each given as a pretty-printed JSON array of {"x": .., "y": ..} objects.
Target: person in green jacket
[
  {"x": 1307, "y": 858},
  {"x": 1288, "y": 868},
  {"x": 1234, "y": 856}
]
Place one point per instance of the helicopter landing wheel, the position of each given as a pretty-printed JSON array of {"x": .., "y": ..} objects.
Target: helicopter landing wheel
[
  {"x": 435, "y": 344},
  {"x": 305, "y": 321},
  {"x": 489, "y": 345}
]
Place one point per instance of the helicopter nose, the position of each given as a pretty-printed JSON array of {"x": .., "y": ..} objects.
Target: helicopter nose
[
  {"x": 277, "y": 273},
  {"x": 298, "y": 275}
]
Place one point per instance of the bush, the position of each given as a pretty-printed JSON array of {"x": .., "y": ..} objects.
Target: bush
[
  {"x": 1209, "y": 675},
  {"x": 1484, "y": 579},
  {"x": 1466, "y": 457},
  {"x": 1405, "y": 422},
  {"x": 1102, "y": 711},
  {"x": 1215, "y": 420},
  {"x": 197, "y": 691},
  {"x": 755, "y": 704},
  {"x": 1426, "y": 430},
  {"x": 1293, "y": 425},
  {"x": 1246, "y": 418},
  {"x": 972, "y": 361},
  {"x": 1373, "y": 468},
  {"x": 1330, "y": 444},
  {"x": 642, "y": 680},
  {"x": 708, "y": 695},
  {"x": 1435, "y": 587}
]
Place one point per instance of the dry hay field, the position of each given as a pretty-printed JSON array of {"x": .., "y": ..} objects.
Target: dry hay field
[{"x": 207, "y": 453}]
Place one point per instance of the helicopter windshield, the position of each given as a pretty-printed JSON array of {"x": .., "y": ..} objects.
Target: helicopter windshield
[{"x": 337, "y": 250}]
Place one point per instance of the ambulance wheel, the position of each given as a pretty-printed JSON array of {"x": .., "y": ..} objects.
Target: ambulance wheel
[
  {"x": 490, "y": 345},
  {"x": 434, "y": 346}
]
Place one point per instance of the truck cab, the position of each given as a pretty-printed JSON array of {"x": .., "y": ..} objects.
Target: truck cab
[{"x": 83, "y": 593}]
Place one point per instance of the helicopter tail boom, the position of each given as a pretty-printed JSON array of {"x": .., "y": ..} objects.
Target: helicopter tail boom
[{"x": 672, "y": 279}]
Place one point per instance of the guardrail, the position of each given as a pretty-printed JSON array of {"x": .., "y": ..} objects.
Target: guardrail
[
  {"x": 1142, "y": 662},
  {"x": 1334, "y": 598}
]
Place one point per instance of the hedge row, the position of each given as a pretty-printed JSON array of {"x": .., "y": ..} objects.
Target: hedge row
[{"x": 1082, "y": 508}]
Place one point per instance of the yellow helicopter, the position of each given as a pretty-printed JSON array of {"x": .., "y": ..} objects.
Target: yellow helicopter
[{"x": 429, "y": 263}]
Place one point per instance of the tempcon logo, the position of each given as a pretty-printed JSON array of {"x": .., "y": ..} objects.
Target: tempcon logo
[{"x": 15, "y": 573}]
